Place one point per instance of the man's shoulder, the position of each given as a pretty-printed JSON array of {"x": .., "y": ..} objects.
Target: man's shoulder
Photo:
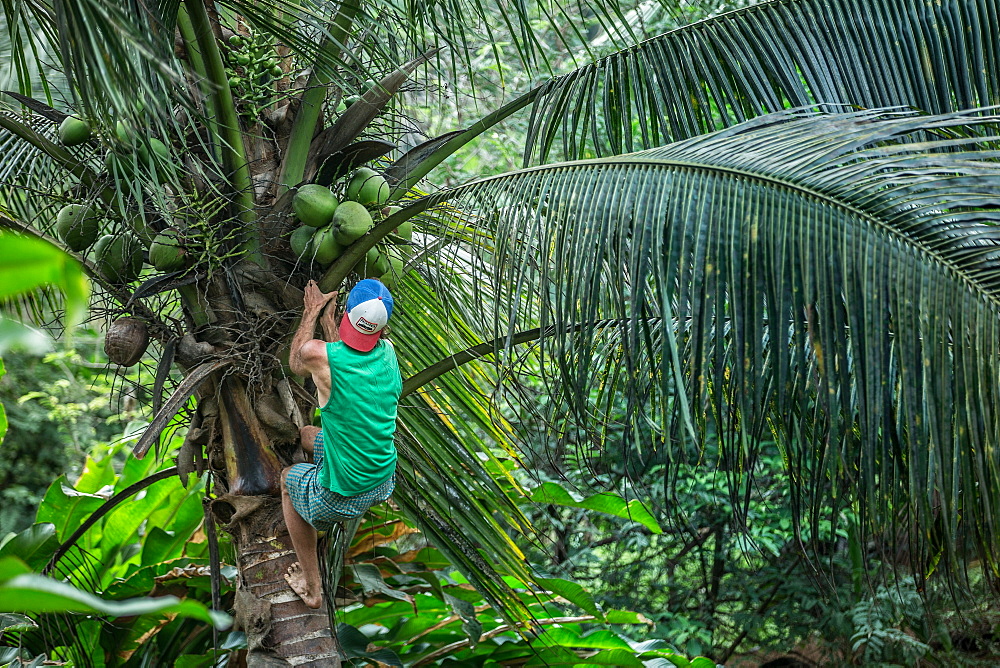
[{"x": 313, "y": 352}]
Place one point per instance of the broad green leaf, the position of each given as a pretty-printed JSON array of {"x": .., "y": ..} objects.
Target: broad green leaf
[
  {"x": 3, "y": 415},
  {"x": 11, "y": 567},
  {"x": 182, "y": 511},
  {"x": 122, "y": 523},
  {"x": 37, "y": 594},
  {"x": 560, "y": 656},
  {"x": 574, "y": 593},
  {"x": 95, "y": 475},
  {"x": 608, "y": 503},
  {"x": 625, "y": 617},
  {"x": 34, "y": 545},
  {"x": 27, "y": 263},
  {"x": 143, "y": 580},
  {"x": 66, "y": 508},
  {"x": 161, "y": 545},
  {"x": 569, "y": 636}
]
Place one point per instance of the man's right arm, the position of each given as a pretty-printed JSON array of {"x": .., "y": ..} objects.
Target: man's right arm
[{"x": 307, "y": 353}]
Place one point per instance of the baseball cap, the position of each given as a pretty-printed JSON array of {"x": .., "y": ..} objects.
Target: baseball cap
[{"x": 369, "y": 306}]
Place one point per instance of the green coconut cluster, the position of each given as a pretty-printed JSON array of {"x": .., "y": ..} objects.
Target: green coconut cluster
[
  {"x": 330, "y": 225},
  {"x": 118, "y": 256}
]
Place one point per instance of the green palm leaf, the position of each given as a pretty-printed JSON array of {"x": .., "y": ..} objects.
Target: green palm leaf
[
  {"x": 828, "y": 280},
  {"x": 448, "y": 433},
  {"x": 936, "y": 57}
]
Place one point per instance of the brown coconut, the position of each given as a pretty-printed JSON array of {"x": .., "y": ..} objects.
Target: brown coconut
[{"x": 126, "y": 341}]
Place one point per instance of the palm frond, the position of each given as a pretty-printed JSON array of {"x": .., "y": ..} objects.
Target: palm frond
[
  {"x": 828, "y": 280},
  {"x": 446, "y": 444},
  {"x": 936, "y": 57}
]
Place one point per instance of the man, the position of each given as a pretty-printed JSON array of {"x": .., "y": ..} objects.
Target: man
[{"x": 354, "y": 456}]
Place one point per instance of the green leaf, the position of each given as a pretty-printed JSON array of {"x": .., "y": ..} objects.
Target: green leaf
[
  {"x": 27, "y": 263},
  {"x": 370, "y": 579},
  {"x": 738, "y": 65},
  {"x": 66, "y": 508},
  {"x": 561, "y": 656},
  {"x": 625, "y": 617},
  {"x": 143, "y": 580},
  {"x": 34, "y": 545},
  {"x": 767, "y": 288},
  {"x": 10, "y": 621},
  {"x": 38, "y": 594},
  {"x": 3, "y": 415},
  {"x": 574, "y": 593},
  {"x": 161, "y": 545},
  {"x": 608, "y": 503},
  {"x": 95, "y": 476},
  {"x": 354, "y": 643},
  {"x": 568, "y": 636},
  {"x": 466, "y": 611},
  {"x": 11, "y": 567},
  {"x": 702, "y": 662}
]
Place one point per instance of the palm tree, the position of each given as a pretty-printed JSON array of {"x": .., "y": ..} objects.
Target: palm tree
[{"x": 822, "y": 276}]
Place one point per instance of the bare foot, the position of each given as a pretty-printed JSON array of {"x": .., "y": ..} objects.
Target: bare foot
[{"x": 296, "y": 579}]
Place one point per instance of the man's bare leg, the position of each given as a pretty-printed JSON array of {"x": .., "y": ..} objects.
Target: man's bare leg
[
  {"x": 307, "y": 436},
  {"x": 302, "y": 576}
]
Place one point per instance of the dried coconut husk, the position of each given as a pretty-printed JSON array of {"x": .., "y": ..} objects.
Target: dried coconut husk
[{"x": 126, "y": 341}]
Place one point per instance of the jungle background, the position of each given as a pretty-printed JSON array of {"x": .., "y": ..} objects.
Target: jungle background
[{"x": 634, "y": 576}]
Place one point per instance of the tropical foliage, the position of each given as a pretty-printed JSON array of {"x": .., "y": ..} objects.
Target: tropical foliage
[{"x": 821, "y": 278}]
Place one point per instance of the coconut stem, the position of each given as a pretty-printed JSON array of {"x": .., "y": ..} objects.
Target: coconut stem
[
  {"x": 198, "y": 68},
  {"x": 457, "y": 142},
  {"x": 304, "y": 126},
  {"x": 231, "y": 145}
]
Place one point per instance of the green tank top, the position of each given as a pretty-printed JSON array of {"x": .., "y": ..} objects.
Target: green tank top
[{"x": 359, "y": 419}]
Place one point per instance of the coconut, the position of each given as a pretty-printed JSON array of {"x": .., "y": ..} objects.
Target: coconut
[
  {"x": 126, "y": 341},
  {"x": 368, "y": 187},
  {"x": 301, "y": 240},
  {"x": 167, "y": 252},
  {"x": 124, "y": 133},
  {"x": 314, "y": 204},
  {"x": 391, "y": 278},
  {"x": 405, "y": 230},
  {"x": 375, "y": 263},
  {"x": 73, "y": 131},
  {"x": 159, "y": 149},
  {"x": 325, "y": 246},
  {"x": 77, "y": 226},
  {"x": 118, "y": 257},
  {"x": 350, "y": 222}
]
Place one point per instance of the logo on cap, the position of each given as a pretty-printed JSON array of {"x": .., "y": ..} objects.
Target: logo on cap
[{"x": 366, "y": 326}]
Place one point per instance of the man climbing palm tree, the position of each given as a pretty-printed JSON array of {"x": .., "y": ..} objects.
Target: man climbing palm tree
[{"x": 358, "y": 386}]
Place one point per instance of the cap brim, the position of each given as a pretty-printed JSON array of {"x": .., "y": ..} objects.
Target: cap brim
[{"x": 355, "y": 339}]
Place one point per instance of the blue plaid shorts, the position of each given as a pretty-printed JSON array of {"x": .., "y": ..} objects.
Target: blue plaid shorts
[{"x": 322, "y": 507}]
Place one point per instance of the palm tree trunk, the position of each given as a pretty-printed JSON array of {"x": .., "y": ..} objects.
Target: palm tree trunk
[{"x": 281, "y": 630}]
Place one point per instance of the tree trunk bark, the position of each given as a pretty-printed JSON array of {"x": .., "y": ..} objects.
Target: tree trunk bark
[{"x": 281, "y": 630}]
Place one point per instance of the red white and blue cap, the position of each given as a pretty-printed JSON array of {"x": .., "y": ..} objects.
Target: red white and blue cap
[{"x": 369, "y": 307}]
